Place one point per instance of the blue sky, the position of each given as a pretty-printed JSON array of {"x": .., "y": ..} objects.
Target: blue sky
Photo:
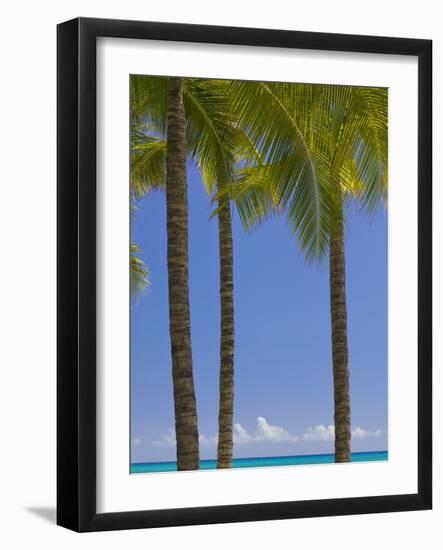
[{"x": 283, "y": 372}]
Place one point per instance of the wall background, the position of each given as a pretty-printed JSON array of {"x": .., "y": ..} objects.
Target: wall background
[{"x": 27, "y": 274}]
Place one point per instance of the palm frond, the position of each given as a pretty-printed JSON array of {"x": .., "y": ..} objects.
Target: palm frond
[
  {"x": 346, "y": 130},
  {"x": 148, "y": 163},
  {"x": 139, "y": 272},
  {"x": 299, "y": 175},
  {"x": 210, "y": 132},
  {"x": 149, "y": 101},
  {"x": 371, "y": 155}
]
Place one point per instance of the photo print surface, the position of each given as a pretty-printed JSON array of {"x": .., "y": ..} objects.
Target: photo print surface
[{"x": 258, "y": 268}]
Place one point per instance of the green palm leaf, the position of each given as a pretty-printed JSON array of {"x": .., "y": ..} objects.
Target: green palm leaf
[
  {"x": 139, "y": 272},
  {"x": 211, "y": 136},
  {"x": 148, "y": 163},
  {"x": 149, "y": 101},
  {"x": 291, "y": 176}
]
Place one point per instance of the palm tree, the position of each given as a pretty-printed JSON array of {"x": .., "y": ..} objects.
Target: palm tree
[
  {"x": 199, "y": 123},
  {"x": 178, "y": 285},
  {"x": 354, "y": 122},
  {"x": 159, "y": 102},
  {"x": 225, "y": 443},
  {"x": 262, "y": 129},
  {"x": 345, "y": 131}
]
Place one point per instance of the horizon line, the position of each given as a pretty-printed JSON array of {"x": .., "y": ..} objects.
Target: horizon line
[{"x": 261, "y": 457}]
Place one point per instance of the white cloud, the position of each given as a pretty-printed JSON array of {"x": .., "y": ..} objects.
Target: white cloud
[
  {"x": 360, "y": 433},
  {"x": 166, "y": 440},
  {"x": 136, "y": 442},
  {"x": 208, "y": 440},
  {"x": 268, "y": 432},
  {"x": 327, "y": 433},
  {"x": 265, "y": 433},
  {"x": 319, "y": 433},
  {"x": 241, "y": 436}
]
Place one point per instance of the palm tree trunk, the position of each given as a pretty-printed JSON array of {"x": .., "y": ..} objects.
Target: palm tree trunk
[
  {"x": 226, "y": 404},
  {"x": 342, "y": 409},
  {"x": 186, "y": 427}
]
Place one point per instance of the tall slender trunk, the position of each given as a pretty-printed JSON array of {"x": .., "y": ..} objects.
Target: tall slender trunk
[
  {"x": 186, "y": 427},
  {"x": 342, "y": 409},
  {"x": 226, "y": 405}
]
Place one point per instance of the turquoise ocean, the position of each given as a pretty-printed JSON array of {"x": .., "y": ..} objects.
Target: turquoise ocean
[{"x": 152, "y": 467}]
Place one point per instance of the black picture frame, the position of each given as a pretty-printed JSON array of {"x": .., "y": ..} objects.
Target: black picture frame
[{"x": 76, "y": 266}]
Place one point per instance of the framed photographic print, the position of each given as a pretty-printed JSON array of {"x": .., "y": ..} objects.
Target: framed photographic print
[{"x": 244, "y": 274}]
